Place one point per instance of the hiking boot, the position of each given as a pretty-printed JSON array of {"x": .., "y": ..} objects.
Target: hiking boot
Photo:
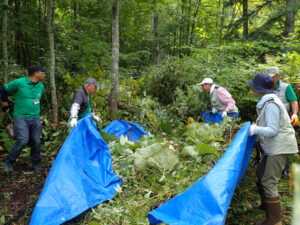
[
  {"x": 273, "y": 212},
  {"x": 37, "y": 167},
  {"x": 8, "y": 167}
]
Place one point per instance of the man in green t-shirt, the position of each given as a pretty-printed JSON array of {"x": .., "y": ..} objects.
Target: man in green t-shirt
[
  {"x": 27, "y": 92},
  {"x": 285, "y": 93}
]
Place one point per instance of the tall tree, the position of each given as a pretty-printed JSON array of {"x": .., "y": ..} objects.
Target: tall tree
[
  {"x": 115, "y": 56},
  {"x": 50, "y": 29},
  {"x": 245, "y": 18},
  {"x": 290, "y": 17},
  {"x": 4, "y": 40},
  {"x": 154, "y": 33}
]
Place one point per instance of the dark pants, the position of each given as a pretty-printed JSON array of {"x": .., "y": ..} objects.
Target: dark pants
[{"x": 27, "y": 130}]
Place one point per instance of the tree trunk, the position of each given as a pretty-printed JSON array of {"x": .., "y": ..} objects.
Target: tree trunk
[
  {"x": 290, "y": 17},
  {"x": 191, "y": 41},
  {"x": 154, "y": 34},
  {"x": 4, "y": 40},
  {"x": 115, "y": 57},
  {"x": 50, "y": 29},
  {"x": 245, "y": 18},
  {"x": 76, "y": 16}
]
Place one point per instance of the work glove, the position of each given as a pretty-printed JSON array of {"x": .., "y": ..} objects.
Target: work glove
[
  {"x": 224, "y": 114},
  {"x": 96, "y": 118},
  {"x": 214, "y": 110},
  {"x": 252, "y": 129},
  {"x": 295, "y": 120},
  {"x": 73, "y": 122}
]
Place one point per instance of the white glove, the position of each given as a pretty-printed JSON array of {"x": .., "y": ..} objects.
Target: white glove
[
  {"x": 214, "y": 111},
  {"x": 224, "y": 114},
  {"x": 96, "y": 118},
  {"x": 252, "y": 129},
  {"x": 73, "y": 122}
]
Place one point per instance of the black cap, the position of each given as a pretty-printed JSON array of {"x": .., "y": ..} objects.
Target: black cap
[{"x": 35, "y": 68}]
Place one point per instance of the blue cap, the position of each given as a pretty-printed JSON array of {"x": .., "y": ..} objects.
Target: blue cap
[{"x": 262, "y": 83}]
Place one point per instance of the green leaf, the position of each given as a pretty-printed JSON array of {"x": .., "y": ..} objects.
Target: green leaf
[{"x": 205, "y": 149}]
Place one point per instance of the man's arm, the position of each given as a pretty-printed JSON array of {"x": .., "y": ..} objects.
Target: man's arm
[
  {"x": 77, "y": 101},
  {"x": 226, "y": 98},
  {"x": 295, "y": 107},
  {"x": 290, "y": 95}
]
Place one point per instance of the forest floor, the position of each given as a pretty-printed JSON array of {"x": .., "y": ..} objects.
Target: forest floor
[{"x": 20, "y": 189}]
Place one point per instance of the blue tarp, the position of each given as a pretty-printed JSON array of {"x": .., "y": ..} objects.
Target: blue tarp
[
  {"x": 120, "y": 127},
  {"x": 80, "y": 178},
  {"x": 210, "y": 117},
  {"x": 206, "y": 202}
]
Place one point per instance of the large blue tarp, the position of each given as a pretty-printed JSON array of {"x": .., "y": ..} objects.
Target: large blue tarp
[
  {"x": 206, "y": 202},
  {"x": 210, "y": 117},
  {"x": 80, "y": 178},
  {"x": 120, "y": 127}
]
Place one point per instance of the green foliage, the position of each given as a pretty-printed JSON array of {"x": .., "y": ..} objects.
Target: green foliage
[
  {"x": 160, "y": 156},
  {"x": 162, "y": 81},
  {"x": 52, "y": 138},
  {"x": 6, "y": 141},
  {"x": 296, "y": 215}
]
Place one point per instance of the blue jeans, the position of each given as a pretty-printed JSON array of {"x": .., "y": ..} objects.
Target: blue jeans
[{"x": 27, "y": 130}]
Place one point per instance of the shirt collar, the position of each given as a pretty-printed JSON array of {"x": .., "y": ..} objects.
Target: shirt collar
[
  {"x": 264, "y": 99},
  {"x": 278, "y": 86},
  {"x": 212, "y": 88},
  {"x": 30, "y": 82}
]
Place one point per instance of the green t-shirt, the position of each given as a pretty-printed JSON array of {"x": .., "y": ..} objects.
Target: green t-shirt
[
  {"x": 289, "y": 93},
  {"x": 27, "y": 97}
]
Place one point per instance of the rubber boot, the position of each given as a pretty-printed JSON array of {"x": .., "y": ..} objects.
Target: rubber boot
[
  {"x": 261, "y": 194},
  {"x": 273, "y": 212}
]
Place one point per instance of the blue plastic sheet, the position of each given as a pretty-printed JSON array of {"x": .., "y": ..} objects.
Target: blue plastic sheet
[
  {"x": 120, "y": 127},
  {"x": 210, "y": 117},
  {"x": 80, "y": 178},
  {"x": 206, "y": 202}
]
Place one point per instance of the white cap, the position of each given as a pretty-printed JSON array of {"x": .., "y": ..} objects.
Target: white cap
[
  {"x": 206, "y": 81},
  {"x": 272, "y": 71}
]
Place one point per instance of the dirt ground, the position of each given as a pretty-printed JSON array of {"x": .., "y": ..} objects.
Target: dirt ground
[{"x": 19, "y": 191}]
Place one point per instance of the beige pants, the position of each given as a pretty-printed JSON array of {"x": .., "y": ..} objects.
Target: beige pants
[{"x": 269, "y": 172}]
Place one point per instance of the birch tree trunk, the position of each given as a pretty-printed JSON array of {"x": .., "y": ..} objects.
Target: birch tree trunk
[
  {"x": 115, "y": 57},
  {"x": 50, "y": 29},
  {"x": 4, "y": 41}
]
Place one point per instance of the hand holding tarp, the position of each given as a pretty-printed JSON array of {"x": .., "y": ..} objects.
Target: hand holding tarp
[
  {"x": 252, "y": 129},
  {"x": 73, "y": 122},
  {"x": 96, "y": 118},
  {"x": 224, "y": 114},
  {"x": 214, "y": 110}
]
